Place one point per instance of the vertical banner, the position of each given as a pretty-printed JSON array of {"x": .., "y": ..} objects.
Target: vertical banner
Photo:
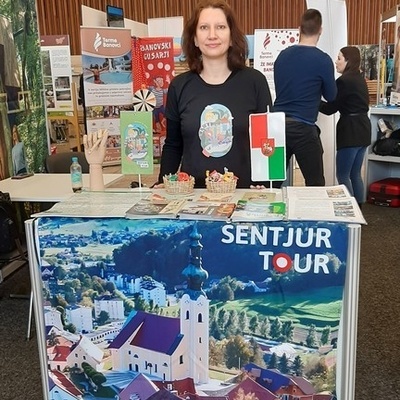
[
  {"x": 107, "y": 79},
  {"x": 198, "y": 306},
  {"x": 154, "y": 63},
  {"x": 137, "y": 142},
  {"x": 56, "y": 60},
  {"x": 267, "y": 144},
  {"x": 268, "y": 43}
]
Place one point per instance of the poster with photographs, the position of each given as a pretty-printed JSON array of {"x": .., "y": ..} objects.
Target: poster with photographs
[{"x": 57, "y": 76}]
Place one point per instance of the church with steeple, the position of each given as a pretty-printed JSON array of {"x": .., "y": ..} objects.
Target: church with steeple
[
  {"x": 170, "y": 348},
  {"x": 195, "y": 311}
]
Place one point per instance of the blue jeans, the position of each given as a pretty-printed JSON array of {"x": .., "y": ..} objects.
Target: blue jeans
[{"x": 349, "y": 161}]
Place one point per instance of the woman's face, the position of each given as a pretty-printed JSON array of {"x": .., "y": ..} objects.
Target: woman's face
[
  {"x": 340, "y": 63},
  {"x": 213, "y": 35}
]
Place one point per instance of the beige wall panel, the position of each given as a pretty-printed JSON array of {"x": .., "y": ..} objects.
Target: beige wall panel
[{"x": 64, "y": 16}]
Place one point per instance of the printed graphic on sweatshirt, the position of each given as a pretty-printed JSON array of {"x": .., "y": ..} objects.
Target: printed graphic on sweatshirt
[{"x": 215, "y": 131}]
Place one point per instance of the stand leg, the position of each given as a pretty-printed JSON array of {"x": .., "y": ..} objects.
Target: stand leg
[{"x": 29, "y": 332}]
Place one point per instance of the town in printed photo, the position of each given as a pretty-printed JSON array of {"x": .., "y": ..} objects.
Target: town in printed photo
[{"x": 169, "y": 309}]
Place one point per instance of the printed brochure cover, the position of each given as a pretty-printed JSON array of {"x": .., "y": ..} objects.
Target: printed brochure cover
[{"x": 206, "y": 211}]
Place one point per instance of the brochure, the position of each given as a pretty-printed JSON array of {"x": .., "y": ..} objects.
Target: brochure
[
  {"x": 214, "y": 197},
  {"x": 260, "y": 196},
  {"x": 149, "y": 209},
  {"x": 257, "y": 211},
  {"x": 206, "y": 211},
  {"x": 322, "y": 203},
  {"x": 317, "y": 192}
]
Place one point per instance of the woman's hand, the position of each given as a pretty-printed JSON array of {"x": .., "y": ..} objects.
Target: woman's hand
[{"x": 258, "y": 187}]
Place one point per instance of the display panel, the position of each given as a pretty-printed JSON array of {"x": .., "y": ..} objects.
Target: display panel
[
  {"x": 201, "y": 244},
  {"x": 115, "y": 16}
]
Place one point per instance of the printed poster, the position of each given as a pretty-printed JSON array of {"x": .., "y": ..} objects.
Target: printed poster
[
  {"x": 57, "y": 77},
  {"x": 132, "y": 307},
  {"x": 107, "y": 79},
  {"x": 137, "y": 142},
  {"x": 268, "y": 43},
  {"x": 153, "y": 71}
]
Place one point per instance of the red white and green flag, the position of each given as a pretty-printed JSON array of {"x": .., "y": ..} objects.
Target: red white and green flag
[{"x": 268, "y": 146}]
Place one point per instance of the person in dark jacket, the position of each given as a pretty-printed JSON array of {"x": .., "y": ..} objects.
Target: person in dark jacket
[
  {"x": 302, "y": 74},
  {"x": 353, "y": 130}
]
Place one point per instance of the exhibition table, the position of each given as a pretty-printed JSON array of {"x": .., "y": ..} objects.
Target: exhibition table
[
  {"x": 41, "y": 188},
  {"x": 140, "y": 302},
  {"x": 46, "y": 188}
]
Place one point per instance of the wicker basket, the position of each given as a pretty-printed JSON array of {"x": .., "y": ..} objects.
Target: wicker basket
[
  {"x": 179, "y": 187},
  {"x": 221, "y": 187}
]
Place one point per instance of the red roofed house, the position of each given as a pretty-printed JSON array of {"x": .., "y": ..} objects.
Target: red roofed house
[{"x": 60, "y": 387}]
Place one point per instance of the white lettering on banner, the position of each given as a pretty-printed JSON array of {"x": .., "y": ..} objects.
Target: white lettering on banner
[
  {"x": 156, "y": 56},
  {"x": 316, "y": 237},
  {"x": 155, "y": 46},
  {"x": 245, "y": 234},
  {"x": 118, "y": 45},
  {"x": 281, "y": 262}
]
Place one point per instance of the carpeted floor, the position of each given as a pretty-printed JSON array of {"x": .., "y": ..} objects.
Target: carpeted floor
[{"x": 378, "y": 349}]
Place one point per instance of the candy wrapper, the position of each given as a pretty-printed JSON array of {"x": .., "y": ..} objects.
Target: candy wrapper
[{"x": 217, "y": 182}]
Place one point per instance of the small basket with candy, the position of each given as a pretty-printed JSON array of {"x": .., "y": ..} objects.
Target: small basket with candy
[
  {"x": 179, "y": 183},
  {"x": 221, "y": 183}
]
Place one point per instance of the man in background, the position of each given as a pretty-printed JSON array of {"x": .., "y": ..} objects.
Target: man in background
[{"x": 302, "y": 74}]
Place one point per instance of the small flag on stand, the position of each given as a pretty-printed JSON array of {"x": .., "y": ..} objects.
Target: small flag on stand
[{"x": 268, "y": 146}]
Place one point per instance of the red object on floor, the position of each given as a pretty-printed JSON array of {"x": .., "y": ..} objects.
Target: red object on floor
[{"x": 385, "y": 192}]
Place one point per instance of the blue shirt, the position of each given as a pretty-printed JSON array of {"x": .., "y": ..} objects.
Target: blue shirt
[{"x": 302, "y": 75}]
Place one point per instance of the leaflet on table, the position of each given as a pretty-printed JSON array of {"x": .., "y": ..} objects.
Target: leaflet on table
[
  {"x": 206, "y": 211},
  {"x": 262, "y": 196},
  {"x": 335, "y": 209},
  {"x": 146, "y": 208},
  {"x": 249, "y": 210},
  {"x": 316, "y": 192},
  {"x": 94, "y": 204},
  {"x": 214, "y": 197},
  {"x": 255, "y": 195}
]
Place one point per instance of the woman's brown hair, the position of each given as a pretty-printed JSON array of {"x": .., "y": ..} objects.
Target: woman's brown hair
[
  {"x": 352, "y": 55},
  {"x": 237, "y": 52}
]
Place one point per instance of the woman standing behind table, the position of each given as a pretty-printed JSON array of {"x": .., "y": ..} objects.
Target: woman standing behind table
[
  {"x": 208, "y": 107},
  {"x": 353, "y": 130}
]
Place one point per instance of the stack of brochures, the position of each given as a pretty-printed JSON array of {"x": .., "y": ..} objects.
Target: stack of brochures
[{"x": 292, "y": 203}]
